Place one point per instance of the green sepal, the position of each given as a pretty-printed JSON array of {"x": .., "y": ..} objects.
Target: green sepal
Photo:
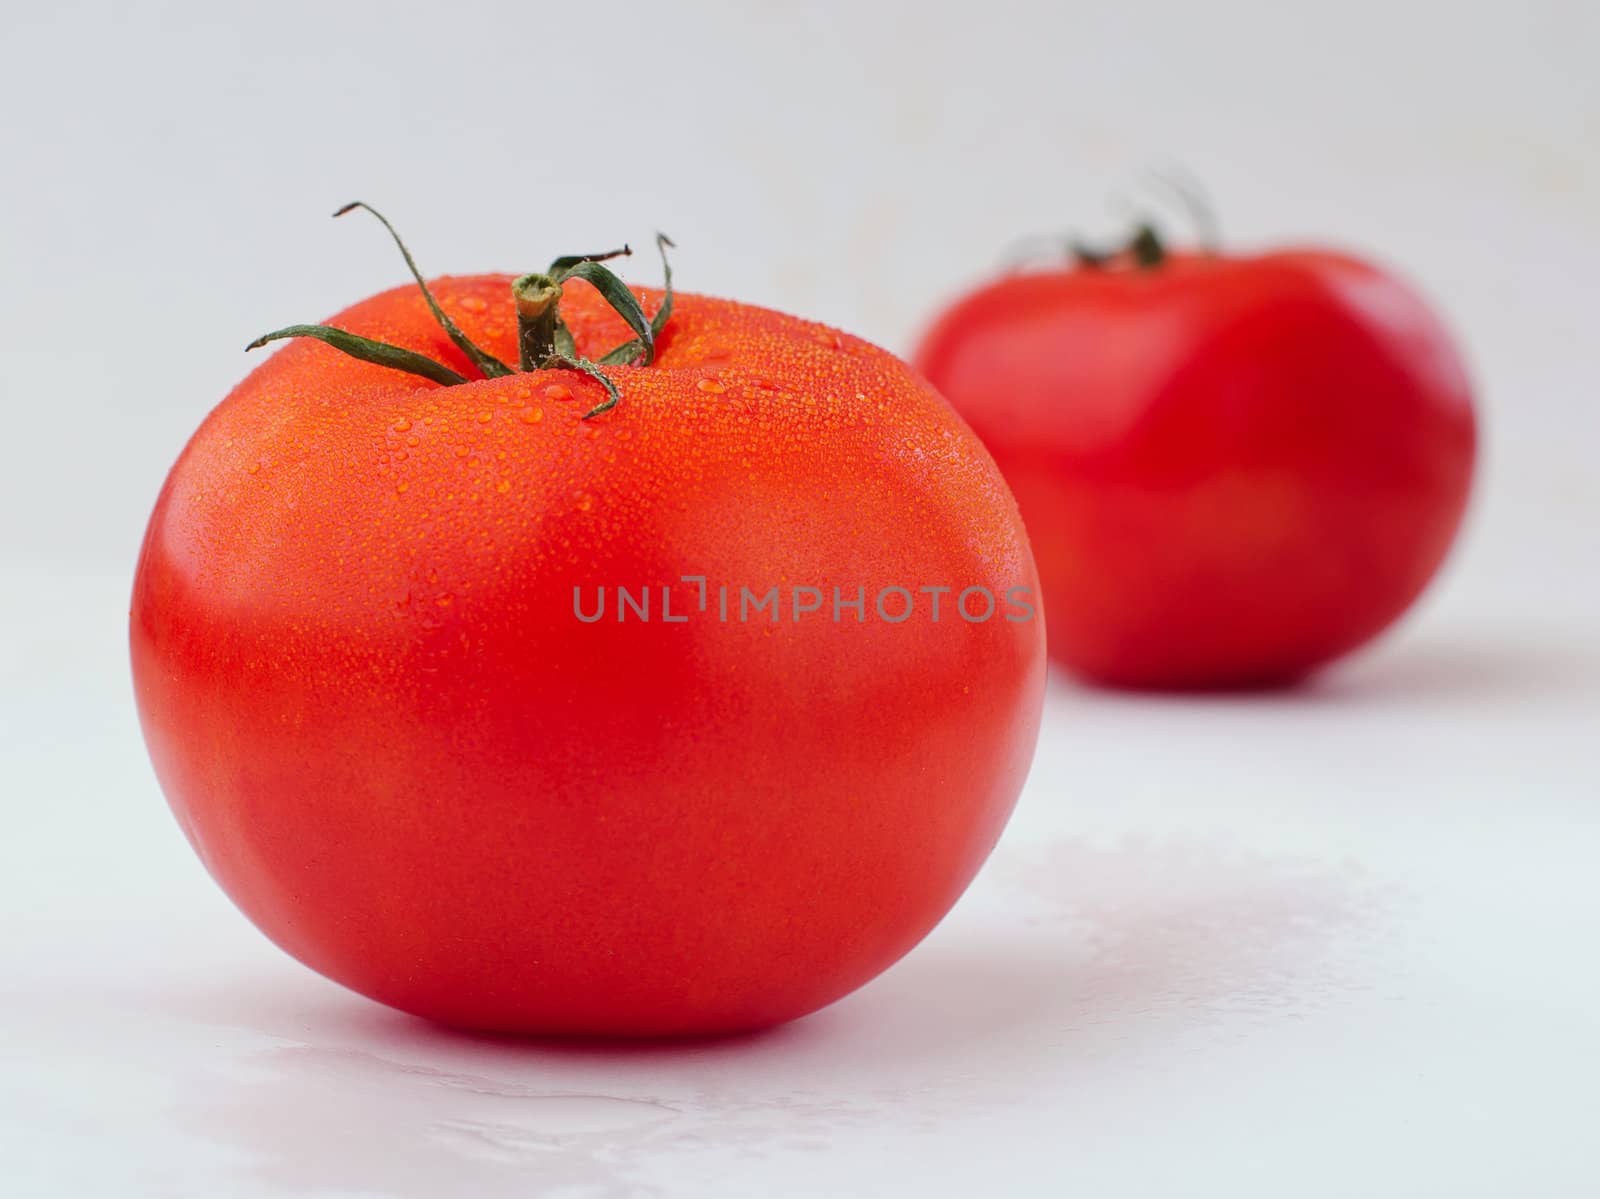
[
  {"x": 380, "y": 353},
  {"x": 614, "y": 397},
  {"x": 628, "y": 351},
  {"x": 486, "y": 362},
  {"x": 619, "y": 295},
  {"x": 1147, "y": 248},
  {"x": 565, "y": 263}
]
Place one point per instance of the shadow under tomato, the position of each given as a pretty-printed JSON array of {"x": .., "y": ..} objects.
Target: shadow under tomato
[
  {"x": 1464, "y": 670},
  {"x": 1427, "y": 669},
  {"x": 1068, "y": 967}
]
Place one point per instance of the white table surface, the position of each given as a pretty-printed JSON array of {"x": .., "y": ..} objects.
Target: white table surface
[{"x": 1335, "y": 942}]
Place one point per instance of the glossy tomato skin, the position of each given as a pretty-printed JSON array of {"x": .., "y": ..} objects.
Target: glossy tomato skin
[
  {"x": 373, "y": 708},
  {"x": 1232, "y": 470}
]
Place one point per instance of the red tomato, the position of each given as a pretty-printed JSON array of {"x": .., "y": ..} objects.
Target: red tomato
[
  {"x": 1232, "y": 469},
  {"x": 376, "y": 710}
]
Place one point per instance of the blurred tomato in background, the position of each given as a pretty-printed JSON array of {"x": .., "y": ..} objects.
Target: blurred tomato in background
[{"x": 1232, "y": 468}]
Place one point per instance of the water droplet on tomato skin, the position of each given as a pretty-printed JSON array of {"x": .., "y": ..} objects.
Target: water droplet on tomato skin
[
  {"x": 531, "y": 416},
  {"x": 503, "y": 486},
  {"x": 255, "y": 467},
  {"x": 445, "y": 600},
  {"x": 557, "y": 391},
  {"x": 485, "y": 417},
  {"x": 585, "y": 502},
  {"x": 401, "y": 425},
  {"x": 474, "y": 303},
  {"x": 712, "y": 386},
  {"x": 401, "y": 488}
]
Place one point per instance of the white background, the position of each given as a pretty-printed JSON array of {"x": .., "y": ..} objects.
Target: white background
[{"x": 1335, "y": 942}]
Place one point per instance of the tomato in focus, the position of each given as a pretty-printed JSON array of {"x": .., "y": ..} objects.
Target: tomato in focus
[{"x": 372, "y": 695}]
